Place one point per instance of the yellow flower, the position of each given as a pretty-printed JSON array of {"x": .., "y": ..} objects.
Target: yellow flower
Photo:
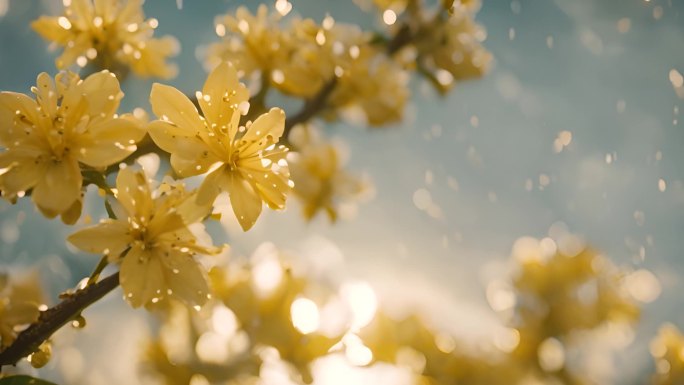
[
  {"x": 451, "y": 49},
  {"x": 242, "y": 160},
  {"x": 250, "y": 42},
  {"x": 321, "y": 182},
  {"x": 152, "y": 241},
  {"x": 265, "y": 298},
  {"x": 667, "y": 350},
  {"x": 20, "y": 300},
  {"x": 113, "y": 34},
  {"x": 44, "y": 140}
]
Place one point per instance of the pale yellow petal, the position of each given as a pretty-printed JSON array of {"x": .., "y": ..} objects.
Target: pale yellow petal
[
  {"x": 71, "y": 215},
  {"x": 142, "y": 277},
  {"x": 60, "y": 186},
  {"x": 46, "y": 94},
  {"x": 266, "y": 130},
  {"x": 165, "y": 223},
  {"x": 108, "y": 142},
  {"x": 110, "y": 237},
  {"x": 23, "y": 173},
  {"x": 170, "y": 104},
  {"x": 103, "y": 93},
  {"x": 221, "y": 96},
  {"x": 185, "y": 278},
  {"x": 134, "y": 194},
  {"x": 189, "y": 154},
  {"x": 211, "y": 187},
  {"x": 49, "y": 29},
  {"x": 18, "y": 113},
  {"x": 272, "y": 186},
  {"x": 244, "y": 199}
]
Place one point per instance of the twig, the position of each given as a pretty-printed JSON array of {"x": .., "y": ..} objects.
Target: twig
[
  {"x": 311, "y": 107},
  {"x": 54, "y": 318}
]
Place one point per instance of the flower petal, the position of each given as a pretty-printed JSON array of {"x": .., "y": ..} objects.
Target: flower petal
[
  {"x": 142, "y": 277},
  {"x": 244, "y": 199},
  {"x": 59, "y": 187},
  {"x": 109, "y": 237},
  {"x": 23, "y": 172},
  {"x": 18, "y": 113},
  {"x": 185, "y": 278},
  {"x": 103, "y": 93},
  {"x": 133, "y": 193},
  {"x": 108, "y": 142},
  {"x": 189, "y": 154},
  {"x": 221, "y": 97},
  {"x": 49, "y": 29},
  {"x": 211, "y": 187},
  {"x": 170, "y": 104},
  {"x": 266, "y": 130}
]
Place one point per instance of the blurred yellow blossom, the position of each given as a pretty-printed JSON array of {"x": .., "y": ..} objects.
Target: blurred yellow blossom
[
  {"x": 20, "y": 300},
  {"x": 450, "y": 49},
  {"x": 668, "y": 352},
  {"x": 71, "y": 121},
  {"x": 250, "y": 42},
  {"x": 562, "y": 288},
  {"x": 152, "y": 241},
  {"x": 305, "y": 57},
  {"x": 244, "y": 161},
  {"x": 261, "y": 312},
  {"x": 434, "y": 357},
  {"x": 321, "y": 182},
  {"x": 265, "y": 307},
  {"x": 113, "y": 34}
]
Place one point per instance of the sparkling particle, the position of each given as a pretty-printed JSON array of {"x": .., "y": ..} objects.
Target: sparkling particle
[
  {"x": 422, "y": 199},
  {"x": 624, "y": 25},
  {"x": 544, "y": 180},
  {"x": 529, "y": 185},
  {"x": 64, "y": 22},
  {"x": 657, "y": 12},
  {"x": 220, "y": 30},
  {"x": 639, "y": 217},
  {"x": 551, "y": 355},
  {"x": 474, "y": 121},
  {"x": 389, "y": 17},
  {"x": 305, "y": 315},
  {"x": 429, "y": 177},
  {"x": 662, "y": 185},
  {"x": 283, "y": 7},
  {"x": 676, "y": 78}
]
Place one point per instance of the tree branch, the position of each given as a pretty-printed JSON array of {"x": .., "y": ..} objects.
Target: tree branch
[
  {"x": 311, "y": 107},
  {"x": 54, "y": 318}
]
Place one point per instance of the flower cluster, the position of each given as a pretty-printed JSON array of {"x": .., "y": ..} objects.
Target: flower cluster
[
  {"x": 49, "y": 142},
  {"x": 20, "y": 302},
  {"x": 321, "y": 183},
  {"x": 667, "y": 350},
  {"x": 112, "y": 35},
  {"x": 262, "y": 313},
  {"x": 244, "y": 161},
  {"x": 151, "y": 238}
]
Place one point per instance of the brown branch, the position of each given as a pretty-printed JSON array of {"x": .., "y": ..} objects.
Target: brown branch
[
  {"x": 311, "y": 107},
  {"x": 54, "y": 318}
]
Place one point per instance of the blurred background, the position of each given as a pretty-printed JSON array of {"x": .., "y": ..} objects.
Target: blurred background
[{"x": 576, "y": 127}]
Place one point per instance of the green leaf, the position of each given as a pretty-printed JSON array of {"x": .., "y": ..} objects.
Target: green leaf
[{"x": 23, "y": 380}]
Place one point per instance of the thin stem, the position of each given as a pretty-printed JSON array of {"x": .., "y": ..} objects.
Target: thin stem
[
  {"x": 54, "y": 318},
  {"x": 311, "y": 107},
  {"x": 98, "y": 270}
]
